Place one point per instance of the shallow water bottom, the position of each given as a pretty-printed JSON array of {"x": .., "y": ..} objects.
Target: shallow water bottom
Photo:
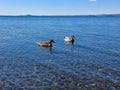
[{"x": 24, "y": 74}]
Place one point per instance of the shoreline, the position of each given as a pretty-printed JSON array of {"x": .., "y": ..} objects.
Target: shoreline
[{"x": 99, "y": 15}]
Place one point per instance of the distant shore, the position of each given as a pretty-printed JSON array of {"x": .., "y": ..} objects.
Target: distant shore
[{"x": 99, "y": 15}]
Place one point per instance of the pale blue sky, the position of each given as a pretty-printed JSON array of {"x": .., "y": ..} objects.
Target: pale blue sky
[{"x": 59, "y": 7}]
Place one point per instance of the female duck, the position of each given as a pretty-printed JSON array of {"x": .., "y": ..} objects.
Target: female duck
[
  {"x": 69, "y": 39},
  {"x": 45, "y": 44}
]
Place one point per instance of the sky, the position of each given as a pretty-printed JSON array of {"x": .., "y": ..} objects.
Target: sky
[{"x": 59, "y": 7}]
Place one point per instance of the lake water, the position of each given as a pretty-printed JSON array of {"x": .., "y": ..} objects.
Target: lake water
[{"x": 92, "y": 62}]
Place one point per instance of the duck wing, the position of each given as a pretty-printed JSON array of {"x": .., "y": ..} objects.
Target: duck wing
[
  {"x": 44, "y": 44},
  {"x": 67, "y": 39}
]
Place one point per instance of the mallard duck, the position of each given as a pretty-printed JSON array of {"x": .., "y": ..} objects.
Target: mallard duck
[
  {"x": 69, "y": 39},
  {"x": 45, "y": 44}
]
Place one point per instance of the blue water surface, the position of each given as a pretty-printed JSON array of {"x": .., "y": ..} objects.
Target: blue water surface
[{"x": 92, "y": 62}]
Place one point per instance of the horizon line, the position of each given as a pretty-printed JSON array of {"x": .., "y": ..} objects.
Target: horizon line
[{"x": 66, "y": 15}]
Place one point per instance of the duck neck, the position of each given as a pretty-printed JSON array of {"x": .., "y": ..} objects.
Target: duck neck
[
  {"x": 72, "y": 39},
  {"x": 50, "y": 43}
]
